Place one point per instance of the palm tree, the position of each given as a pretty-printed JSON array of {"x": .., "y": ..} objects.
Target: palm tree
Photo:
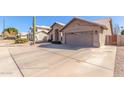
[{"x": 34, "y": 28}]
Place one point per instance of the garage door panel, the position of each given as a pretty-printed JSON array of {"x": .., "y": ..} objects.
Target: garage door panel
[{"x": 80, "y": 39}]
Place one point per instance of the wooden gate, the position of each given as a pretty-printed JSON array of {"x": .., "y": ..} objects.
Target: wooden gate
[{"x": 111, "y": 40}]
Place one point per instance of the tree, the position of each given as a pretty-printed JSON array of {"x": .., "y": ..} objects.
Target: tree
[
  {"x": 34, "y": 28},
  {"x": 10, "y": 32},
  {"x": 116, "y": 29},
  {"x": 122, "y": 32}
]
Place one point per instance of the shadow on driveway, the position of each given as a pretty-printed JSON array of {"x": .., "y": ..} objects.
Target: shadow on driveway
[{"x": 61, "y": 46}]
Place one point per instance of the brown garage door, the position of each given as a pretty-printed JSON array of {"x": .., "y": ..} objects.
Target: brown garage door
[{"x": 80, "y": 38}]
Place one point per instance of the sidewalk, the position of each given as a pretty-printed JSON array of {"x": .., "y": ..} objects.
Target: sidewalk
[{"x": 7, "y": 65}]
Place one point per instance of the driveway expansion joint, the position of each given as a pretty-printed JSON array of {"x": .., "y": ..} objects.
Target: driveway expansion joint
[
  {"x": 15, "y": 63},
  {"x": 77, "y": 60}
]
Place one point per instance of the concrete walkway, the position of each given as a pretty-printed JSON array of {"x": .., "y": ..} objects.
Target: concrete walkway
[{"x": 7, "y": 66}]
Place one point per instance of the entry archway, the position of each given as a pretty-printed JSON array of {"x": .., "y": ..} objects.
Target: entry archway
[{"x": 56, "y": 35}]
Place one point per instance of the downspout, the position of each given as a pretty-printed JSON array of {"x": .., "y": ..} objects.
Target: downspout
[
  {"x": 65, "y": 37},
  {"x": 111, "y": 26}
]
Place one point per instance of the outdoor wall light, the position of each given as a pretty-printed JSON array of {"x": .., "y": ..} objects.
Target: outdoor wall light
[{"x": 96, "y": 31}]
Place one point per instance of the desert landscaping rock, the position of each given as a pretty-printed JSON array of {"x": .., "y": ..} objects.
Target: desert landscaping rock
[{"x": 119, "y": 63}]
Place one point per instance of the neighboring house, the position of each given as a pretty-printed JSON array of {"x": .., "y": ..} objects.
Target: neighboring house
[
  {"x": 23, "y": 35},
  {"x": 81, "y": 32},
  {"x": 7, "y": 35},
  {"x": 40, "y": 35},
  {"x": 54, "y": 33}
]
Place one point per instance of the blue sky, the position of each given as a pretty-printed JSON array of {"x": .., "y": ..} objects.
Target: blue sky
[{"x": 22, "y": 23}]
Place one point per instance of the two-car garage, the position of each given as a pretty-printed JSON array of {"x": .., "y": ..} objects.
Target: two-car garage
[
  {"x": 84, "y": 38},
  {"x": 80, "y": 32}
]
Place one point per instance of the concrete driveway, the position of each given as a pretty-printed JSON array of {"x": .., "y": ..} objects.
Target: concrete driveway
[
  {"x": 61, "y": 60},
  {"x": 7, "y": 66}
]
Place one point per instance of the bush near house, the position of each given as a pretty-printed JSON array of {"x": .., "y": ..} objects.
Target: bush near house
[
  {"x": 56, "y": 42},
  {"x": 21, "y": 40},
  {"x": 49, "y": 40}
]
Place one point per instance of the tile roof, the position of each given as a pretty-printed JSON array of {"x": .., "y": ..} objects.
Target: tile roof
[
  {"x": 61, "y": 24},
  {"x": 76, "y": 18}
]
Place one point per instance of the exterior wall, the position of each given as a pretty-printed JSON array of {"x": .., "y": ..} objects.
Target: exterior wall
[
  {"x": 108, "y": 23},
  {"x": 120, "y": 40},
  {"x": 96, "y": 41},
  {"x": 53, "y": 32},
  {"x": 102, "y": 38},
  {"x": 79, "y": 26},
  {"x": 41, "y": 37},
  {"x": 23, "y": 36}
]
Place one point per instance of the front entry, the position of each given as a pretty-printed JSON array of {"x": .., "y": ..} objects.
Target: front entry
[{"x": 56, "y": 35}]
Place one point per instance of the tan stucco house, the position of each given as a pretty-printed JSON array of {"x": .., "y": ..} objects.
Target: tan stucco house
[
  {"x": 80, "y": 32},
  {"x": 41, "y": 34},
  {"x": 55, "y": 33}
]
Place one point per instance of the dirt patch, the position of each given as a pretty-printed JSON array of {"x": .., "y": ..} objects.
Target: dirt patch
[{"x": 119, "y": 62}]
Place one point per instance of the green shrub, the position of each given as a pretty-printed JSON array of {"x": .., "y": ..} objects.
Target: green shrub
[
  {"x": 56, "y": 42},
  {"x": 21, "y": 40},
  {"x": 49, "y": 40}
]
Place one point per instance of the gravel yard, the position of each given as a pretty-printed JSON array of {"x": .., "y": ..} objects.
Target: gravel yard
[{"x": 119, "y": 62}]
